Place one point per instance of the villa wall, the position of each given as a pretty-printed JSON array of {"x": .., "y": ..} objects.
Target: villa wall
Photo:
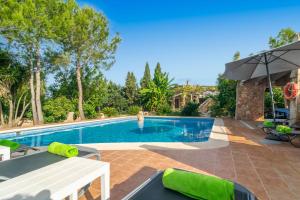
[
  {"x": 250, "y": 101},
  {"x": 250, "y": 97},
  {"x": 294, "y": 105}
]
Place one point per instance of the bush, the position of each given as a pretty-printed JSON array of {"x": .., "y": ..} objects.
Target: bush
[
  {"x": 191, "y": 109},
  {"x": 134, "y": 110},
  {"x": 224, "y": 102},
  {"x": 163, "y": 109},
  {"x": 110, "y": 111},
  {"x": 278, "y": 99},
  {"x": 56, "y": 110},
  {"x": 89, "y": 111}
]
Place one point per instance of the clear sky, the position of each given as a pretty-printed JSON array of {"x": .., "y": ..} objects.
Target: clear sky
[{"x": 192, "y": 39}]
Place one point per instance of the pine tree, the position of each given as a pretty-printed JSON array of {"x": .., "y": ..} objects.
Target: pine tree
[
  {"x": 145, "y": 81},
  {"x": 157, "y": 69},
  {"x": 85, "y": 37},
  {"x": 30, "y": 26},
  {"x": 157, "y": 73},
  {"x": 131, "y": 90}
]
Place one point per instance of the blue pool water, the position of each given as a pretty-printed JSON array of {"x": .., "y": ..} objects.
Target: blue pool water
[{"x": 128, "y": 130}]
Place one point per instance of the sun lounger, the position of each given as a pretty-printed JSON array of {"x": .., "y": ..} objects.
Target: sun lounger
[
  {"x": 268, "y": 129},
  {"x": 24, "y": 149},
  {"x": 20, "y": 149},
  {"x": 288, "y": 137},
  {"x": 153, "y": 189},
  {"x": 22, "y": 165},
  {"x": 272, "y": 134},
  {"x": 58, "y": 181}
]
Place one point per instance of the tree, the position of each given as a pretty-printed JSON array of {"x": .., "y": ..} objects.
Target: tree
[
  {"x": 236, "y": 56},
  {"x": 93, "y": 82},
  {"x": 131, "y": 89},
  {"x": 29, "y": 25},
  {"x": 2, "y": 122},
  {"x": 145, "y": 81},
  {"x": 64, "y": 84},
  {"x": 157, "y": 96},
  {"x": 278, "y": 98},
  {"x": 12, "y": 78},
  {"x": 285, "y": 36},
  {"x": 157, "y": 73},
  {"x": 96, "y": 93},
  {"x": 84, "y": 34},
  {"x": 225, "y": 101},
  {"x": 116, "y": 97}
]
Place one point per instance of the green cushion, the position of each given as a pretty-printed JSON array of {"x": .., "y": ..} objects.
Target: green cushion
[
  {"x": 63, "y": 149},
  {"x": 269, "y": 124},
  {"x": 283, "y": 129},
  {"x": 8, "y": 143},
  {"x": 198, "y": 186}
]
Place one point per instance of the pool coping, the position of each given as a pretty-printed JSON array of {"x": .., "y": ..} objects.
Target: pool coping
[
  {"x": 218, "y": 139},
  {"x": 20, "y": 129}
]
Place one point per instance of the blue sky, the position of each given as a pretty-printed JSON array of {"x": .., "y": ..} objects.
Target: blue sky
[{"x": 192, "y": 39}]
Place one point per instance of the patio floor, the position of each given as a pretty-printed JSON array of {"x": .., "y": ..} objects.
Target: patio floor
[{"x": 271, "y": 171}]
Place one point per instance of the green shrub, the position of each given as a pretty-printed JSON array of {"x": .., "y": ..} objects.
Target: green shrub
[
  {"x": 163, "y": 109},
  {"x": 89, "y": 111},
  {"x": 56, "y": 110},
  {"x": 110, "y": 111},
  {"x": 224, "y": 102},
  {"x": 134, "y": 110},
  {"x": 283, "y": 129},
  {"x": 278, "y": 99},
  {"x": 191, "y": 109}
]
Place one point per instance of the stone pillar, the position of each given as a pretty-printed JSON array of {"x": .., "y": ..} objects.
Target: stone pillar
[
  {"x": 173, "y": 104},
  {"x": 183, "y": 100},
  {"x": 250, "y": 101},
  {"x": 294, "y": 105}
]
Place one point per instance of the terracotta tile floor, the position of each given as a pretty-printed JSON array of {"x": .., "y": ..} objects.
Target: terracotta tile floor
[{"x": 271, "y": 171}]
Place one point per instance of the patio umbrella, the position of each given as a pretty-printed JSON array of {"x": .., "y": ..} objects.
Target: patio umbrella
[{"x": 282, "y": 59}]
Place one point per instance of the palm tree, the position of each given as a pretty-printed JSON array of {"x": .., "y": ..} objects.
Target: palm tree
[{"x": 12, "y": 76}]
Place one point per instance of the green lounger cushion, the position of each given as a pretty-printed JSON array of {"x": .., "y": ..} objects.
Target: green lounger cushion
[
  {"x": 283, "y": 129},
  {"x": 198, "y": 186},
  {"x": 269, "y": 124},
  {"x": 8, "y": 143},
  {"x": 63, "y": 149}
]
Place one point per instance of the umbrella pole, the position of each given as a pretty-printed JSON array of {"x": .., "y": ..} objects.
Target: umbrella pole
[{"x": 270, "y": 87}]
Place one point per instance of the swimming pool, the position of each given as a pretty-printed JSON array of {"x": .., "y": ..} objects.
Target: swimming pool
[{"x": 152, "y": 129}]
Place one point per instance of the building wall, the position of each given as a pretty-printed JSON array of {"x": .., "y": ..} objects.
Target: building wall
[
  {"x": 294, "y": 105},
  {"x": 250, "y": 101},
  {"x": 250, "y": 97}
]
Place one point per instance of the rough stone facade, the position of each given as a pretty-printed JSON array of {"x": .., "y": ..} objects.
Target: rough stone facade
[
  {"x": 294, "y": 105},
  {"x": 250, "y": 97},
  {"x": 250, "y": 100}
]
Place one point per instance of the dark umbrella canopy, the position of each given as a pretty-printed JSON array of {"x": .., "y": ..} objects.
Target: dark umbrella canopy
[
  {"x": 282, "y": 59},
  {"x": 285, "y": 58}
]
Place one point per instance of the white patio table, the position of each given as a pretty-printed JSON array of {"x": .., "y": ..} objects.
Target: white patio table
[
  {"x": 58, "y": 181},
  {"x": 4, "y": 153}
]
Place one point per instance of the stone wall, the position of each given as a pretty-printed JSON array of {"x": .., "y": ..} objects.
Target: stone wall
[
  {"x": 294, "y": 105},
  {"x": 250, "y": 101}
]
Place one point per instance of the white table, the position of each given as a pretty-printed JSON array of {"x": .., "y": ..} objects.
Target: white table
[
  {"x": 57, "y": 181},
  {"x": 4, "y": 153}
]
